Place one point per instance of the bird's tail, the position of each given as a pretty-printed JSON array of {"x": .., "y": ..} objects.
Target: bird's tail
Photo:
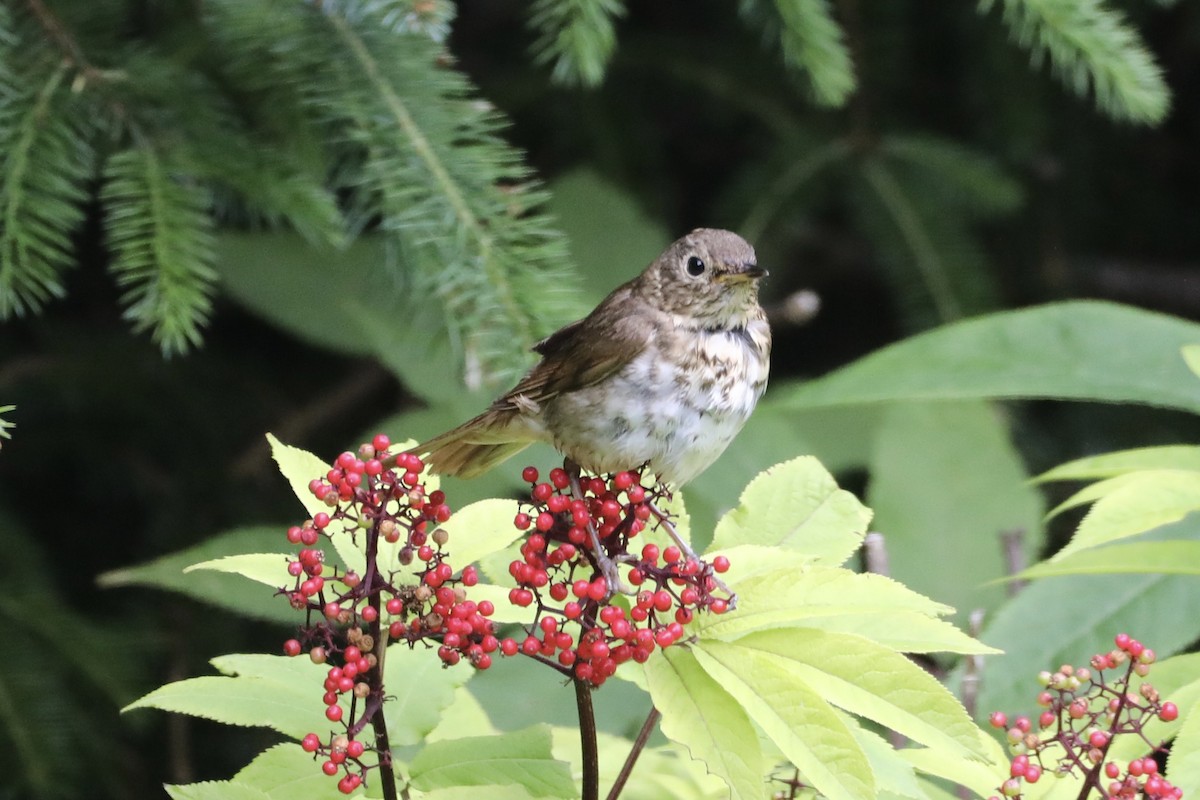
[{"x": 474, "y": 447}]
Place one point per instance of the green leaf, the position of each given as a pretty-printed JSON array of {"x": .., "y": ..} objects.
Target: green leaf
[
  {"x": 873, "y": 682},
  {"x": 216, "y": 790},
  {"x": 1191, "y": 357},
  {"x": 521, "y": 757},
  {"x": 285, "y": 772},
  {"x": 1183, "y": 766},
  {"x": 894, "y": 776},
  {"x": 1086, "y": 613},
  {"x": 278, "y": 698},
  {"x": 798, "y": 506},
  {"x": 1081, "y": 350},
  {"x": 796, "y": 718},
  {"x": 231, "y": 592},
  {"x": 299, "y": 467},
  {"x": 1167, "y": 558},
  {"x": 946, "y": 482},
  {"x": 266, "y": 568},
  {"x": 480, "y": 529},
  {"x": 980, "y": 778},
  {"x": 1148, "y": 500},
  {"x": 700, "y": 715},
  {"x": 1109, "y": 465},
  {"x": 420, "y": 688},
  {"x": 837, "y": 600}
]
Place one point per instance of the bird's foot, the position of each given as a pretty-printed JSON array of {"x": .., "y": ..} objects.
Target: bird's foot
[{"x": 605, "y": 564}]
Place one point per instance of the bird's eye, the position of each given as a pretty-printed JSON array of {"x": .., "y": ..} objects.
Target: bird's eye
[{"x": 695, "y": 266}]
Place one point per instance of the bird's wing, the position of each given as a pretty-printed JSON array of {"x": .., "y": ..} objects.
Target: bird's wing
[{"x": 586, "y": 352}]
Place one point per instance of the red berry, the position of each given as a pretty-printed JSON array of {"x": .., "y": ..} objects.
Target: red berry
[
  {"x": 1111, "y": 769},
  {"x": 720, "y": 564},
  {"x": 1121, "y": 640},
  {"x": 329, "y": 768},
  {"x": 333, "y": 713},
  {"x": 529, "y": 474},
  {"x": 672, "y": 554},
  {"x": 559, "y": 477},
  {"x": 292, "y": 648},
  {"x": 1098, "y": 739},
  {"x": 1032, "y": 773},
  {"x": 1169, "y": 712},
  {"x": 310, "y": 743},
  {"x": 522, "y": 521},
  {"x": 355, "y": 748}
]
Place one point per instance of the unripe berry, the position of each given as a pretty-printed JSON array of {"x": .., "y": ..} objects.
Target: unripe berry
[{"x": 998, "y": 719}]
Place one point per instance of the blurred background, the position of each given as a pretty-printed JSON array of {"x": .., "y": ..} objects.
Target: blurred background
[{"x": 222, "y": 219}]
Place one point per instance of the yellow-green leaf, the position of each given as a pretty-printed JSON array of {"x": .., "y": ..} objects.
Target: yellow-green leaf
[
  {"x": 265, "y": 568},
  {"x": 1108, "y": 465},
  {"x": 1148, "y": 500},
  {"x": 700, "y": 715},
  {"x": 871, "y": 681},
  {"x": 796, "y": 505},
  {"x": 811, "y": 735}
]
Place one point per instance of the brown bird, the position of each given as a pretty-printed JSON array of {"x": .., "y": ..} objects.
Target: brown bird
[{"x": 664, "y": 372}]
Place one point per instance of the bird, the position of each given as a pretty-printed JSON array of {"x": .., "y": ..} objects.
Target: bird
[{"x": 662, "y": 374}]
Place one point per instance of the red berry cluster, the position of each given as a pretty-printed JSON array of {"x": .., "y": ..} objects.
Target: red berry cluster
[
  {"x": 576, "y": 626},
  {"x": 418, "y": 598},
  {"x": 1082, "y": 714}
]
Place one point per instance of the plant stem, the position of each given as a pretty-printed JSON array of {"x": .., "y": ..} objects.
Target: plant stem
[
  {"x": 587, "y": 739},
  {"x": 383, "y": 748},
  {"x": 639, "y": 745}
]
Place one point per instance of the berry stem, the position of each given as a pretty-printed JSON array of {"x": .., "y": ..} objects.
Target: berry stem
[
  {"x": 587, "y": 738},
  {"x": 387, "y": 776},
  {"x": 639, "y": 745}
]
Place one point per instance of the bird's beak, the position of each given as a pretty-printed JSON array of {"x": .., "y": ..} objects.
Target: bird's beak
[{"x": 744, "y": 272}]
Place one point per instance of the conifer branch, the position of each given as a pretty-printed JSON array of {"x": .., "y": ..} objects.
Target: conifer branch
[
  {"x": 1091, "y": 48},
  {"x": 159, "y": 229},
  {"x": 811, "y": 41},
  {"x": 44, "y": 161},
  {"x": 577, "y": 37}
]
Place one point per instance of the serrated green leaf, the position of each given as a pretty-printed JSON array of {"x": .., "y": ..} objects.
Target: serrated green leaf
[
  {"x": 700, "y": 715},
  {"x": 283, "y": 702},
  {"x": 796, "y": 718},
  {"x": 945, "y": 483},
  {"x": 266, "y": 568},
  {"x": 1168, "y": 558},
  {"x": 480, "y": 529},
  {"x": 980, "y": 778},
  {"x": 420, "y": 688},
  {"x": 868, "y": 605},
  {"x": 1093, "y": 492},
  {"x": 225, "y": 590},
  {"x": 1108, "y": 465},
  {"x": 1084, "y": 350},
  {"x": 299, "y": 467},
  {"x": 873, "y": 682},
  {"x": 1148, "y": 500},
  {"x": 1183, "y": 765},
  {"x": 796, "y": 505},
  {"x": 285, "y": 772},
  {"x": 521, "y": 757},
  {"x": 894, "y": 776},
  {"x": 216, "y": 790}
]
